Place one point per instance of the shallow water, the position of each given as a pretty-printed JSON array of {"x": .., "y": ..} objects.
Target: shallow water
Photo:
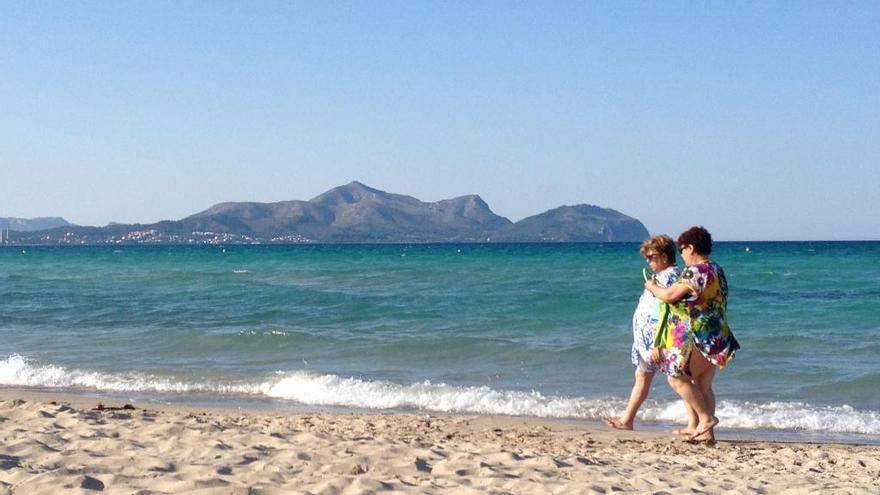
[{"x": 539, "y": 330}]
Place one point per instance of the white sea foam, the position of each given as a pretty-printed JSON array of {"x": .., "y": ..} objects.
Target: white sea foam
[
  {"x": 17, "y": 371},
  {"x": 797, "y": 416},
  {"x": 307, "y": 388},
  {"x": 318, "y": 389}
]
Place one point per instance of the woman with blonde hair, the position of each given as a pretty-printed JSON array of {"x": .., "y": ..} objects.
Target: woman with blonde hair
[{"x": 659, "y": 253}]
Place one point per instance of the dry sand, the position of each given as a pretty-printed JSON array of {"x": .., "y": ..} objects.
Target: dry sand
[{"x": 57, "y": 444}]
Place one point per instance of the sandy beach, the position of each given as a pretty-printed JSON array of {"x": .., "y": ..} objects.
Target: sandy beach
[{"x": 54, "y": 443}]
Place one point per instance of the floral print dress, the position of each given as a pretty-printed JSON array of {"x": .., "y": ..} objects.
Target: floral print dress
[
  {"x": 646, "y": 320},
  {"x": 697, "y": 321}
]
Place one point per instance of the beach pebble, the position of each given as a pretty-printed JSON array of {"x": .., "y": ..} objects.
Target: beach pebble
[
  {"x": 89, "y": 483},
  {"x": 422, "y": 465}
]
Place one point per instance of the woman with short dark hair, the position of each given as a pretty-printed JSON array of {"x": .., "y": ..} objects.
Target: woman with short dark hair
[{"x": 697, "y": 319}]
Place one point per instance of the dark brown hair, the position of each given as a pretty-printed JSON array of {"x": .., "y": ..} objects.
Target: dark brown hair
[{"x": 699, "y": 238}]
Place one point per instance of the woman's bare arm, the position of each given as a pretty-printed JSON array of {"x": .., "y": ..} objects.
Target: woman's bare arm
[{"x": 671, "y": 294}]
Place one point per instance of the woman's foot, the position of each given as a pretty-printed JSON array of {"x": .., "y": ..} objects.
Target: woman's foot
[
  {"x": 705, "y": 433},
  {"x": 704, "y": 439},
  {"x": 690, "y": 430},
  {"x": 617, "y": 424}
]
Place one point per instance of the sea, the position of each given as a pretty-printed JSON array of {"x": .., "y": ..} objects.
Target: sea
[{"x": 535, "y": 330}]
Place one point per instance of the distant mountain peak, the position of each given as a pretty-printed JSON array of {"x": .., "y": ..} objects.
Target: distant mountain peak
[
  {"x": 578, "y": 223},
  {"x": 352, "y": 192},
  {"x": 356, "y": 212}
]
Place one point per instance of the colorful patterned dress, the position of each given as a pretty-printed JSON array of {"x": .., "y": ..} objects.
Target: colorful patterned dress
[
  {"x": 646, "y": 319},
  {"x": 699, "y": 320}
]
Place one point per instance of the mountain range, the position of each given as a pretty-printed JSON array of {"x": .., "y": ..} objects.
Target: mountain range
[{"x": 356, "y": 213}]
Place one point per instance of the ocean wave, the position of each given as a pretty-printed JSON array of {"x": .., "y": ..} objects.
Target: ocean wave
[
  {"x": 18, "y": 371},
  {"x": 796, "y": 416},
  {"x": 317, "y": 389},
  {"x": 333, "y": 390}
]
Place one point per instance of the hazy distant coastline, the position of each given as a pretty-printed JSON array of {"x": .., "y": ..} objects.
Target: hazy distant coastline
[
  {"x": 32, "y": 224},
  {"x": 353, "y": 213}
]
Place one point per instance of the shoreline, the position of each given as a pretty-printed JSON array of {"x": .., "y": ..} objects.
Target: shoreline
[
  {"x": 88, "y": 398},
  {"x": 53, "y": 440}
]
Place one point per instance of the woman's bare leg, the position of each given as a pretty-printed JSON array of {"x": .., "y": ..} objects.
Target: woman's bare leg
[
  {"x": 637, "y": 397},
  {"x": 692, "y": 396},
  {"x": 693, "y": 420},
  {"x": 704, "y": 379},
  {"x": 702, "y": 373}
]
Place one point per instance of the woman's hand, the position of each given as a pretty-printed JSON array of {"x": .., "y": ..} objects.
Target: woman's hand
[{"x": 655, "y": 355}]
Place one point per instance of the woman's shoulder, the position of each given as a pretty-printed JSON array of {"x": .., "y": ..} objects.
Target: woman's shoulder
[
  {"x": 693, "y": 271},
  {"x": 715, "y": 266},
  {"x": 704, "y": 268},
  {"x": 669, "y": 275},
  {"x": 696, "y": 276},
  {"x": 710, "y": 269}
]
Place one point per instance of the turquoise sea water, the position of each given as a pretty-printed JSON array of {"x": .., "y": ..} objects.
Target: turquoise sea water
[{"x": 538, "y": 330}]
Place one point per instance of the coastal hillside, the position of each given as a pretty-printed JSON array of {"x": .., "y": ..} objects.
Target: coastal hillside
[
  {"x": 357, "y": 213},
  {"x": 579, "y": 223},
  {"x": 32, "y": 224}
]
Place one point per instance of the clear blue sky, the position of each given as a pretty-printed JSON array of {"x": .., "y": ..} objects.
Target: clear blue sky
[{"x": 759, "y": 120}]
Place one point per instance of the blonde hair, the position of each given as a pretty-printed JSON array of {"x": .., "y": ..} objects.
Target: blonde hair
[{"x": 662, "y": 244}]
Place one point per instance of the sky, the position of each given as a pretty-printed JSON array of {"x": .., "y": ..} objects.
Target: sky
[{"x": 757, "y": 120}]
